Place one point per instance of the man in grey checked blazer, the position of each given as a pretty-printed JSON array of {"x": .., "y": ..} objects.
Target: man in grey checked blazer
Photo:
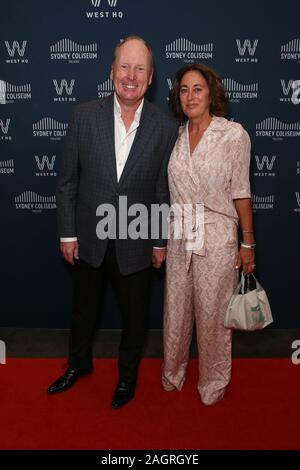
[{"x": 117, "y": 146}]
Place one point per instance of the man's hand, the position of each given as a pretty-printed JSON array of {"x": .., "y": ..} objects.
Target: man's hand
[
  {"x": 158, "y": 257},
  {"x": 70, "y": 251}
]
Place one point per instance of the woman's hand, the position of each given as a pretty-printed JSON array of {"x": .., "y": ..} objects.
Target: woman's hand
[{"x": 245, "y": 258}]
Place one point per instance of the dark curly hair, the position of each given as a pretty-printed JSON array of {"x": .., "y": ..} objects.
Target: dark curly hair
[{"x": 219, "y": 100}]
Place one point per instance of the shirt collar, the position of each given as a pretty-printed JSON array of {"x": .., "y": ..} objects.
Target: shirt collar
[
  {"x": 218, "y": 124},
  {"x": 117, "y": 109}
]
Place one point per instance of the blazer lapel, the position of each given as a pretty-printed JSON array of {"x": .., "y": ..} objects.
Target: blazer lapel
[
  {"x": 143, "y": 134},
  {"x": 105, "y": 123}
]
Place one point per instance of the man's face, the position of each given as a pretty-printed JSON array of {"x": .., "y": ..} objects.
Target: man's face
[{"x": 131, "y": 72}]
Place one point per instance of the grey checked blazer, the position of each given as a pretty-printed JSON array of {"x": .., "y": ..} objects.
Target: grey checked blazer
[{"x": 88, "y": 178}]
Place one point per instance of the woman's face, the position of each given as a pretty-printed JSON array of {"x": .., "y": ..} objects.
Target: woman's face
[{"x": 194, "y": 95}]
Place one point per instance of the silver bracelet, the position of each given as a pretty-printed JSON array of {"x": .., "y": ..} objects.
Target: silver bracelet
[{"x": 248, "y": 245}]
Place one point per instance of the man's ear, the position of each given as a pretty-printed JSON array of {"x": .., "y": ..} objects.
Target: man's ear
[
  {"x": 111, "y": 76},
  {"x": 150, "y": 79}
]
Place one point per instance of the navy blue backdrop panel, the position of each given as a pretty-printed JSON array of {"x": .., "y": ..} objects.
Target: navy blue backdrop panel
[{"x": 55, "y": 54}]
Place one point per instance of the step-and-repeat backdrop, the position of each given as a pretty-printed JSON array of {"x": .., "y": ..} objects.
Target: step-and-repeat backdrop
[{"x": 58, "y": 53}]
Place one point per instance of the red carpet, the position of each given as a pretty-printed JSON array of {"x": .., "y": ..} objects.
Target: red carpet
[{"x": 260, "y": 409}]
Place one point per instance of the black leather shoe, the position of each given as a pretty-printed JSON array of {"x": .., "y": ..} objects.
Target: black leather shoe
[
  {"x": 123, "y": 393},
  {"x": 67, "y": 380}
]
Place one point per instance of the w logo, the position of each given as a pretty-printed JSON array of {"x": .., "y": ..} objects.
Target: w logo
[
  {"x": 286, "y": 88},
  {"x": 64, "y": 86},
  {"x": 247, "y": 45},
  {"x": 111, "y": 3},
  {"x": 296, "y": 92},
  {"x": 265, "y": 161},
  {"x": 45, "y": 161},
  {"x": 170, "y": 84},
  {"x": 4, "y": 128},
  {"x": 11, "y": 49}
]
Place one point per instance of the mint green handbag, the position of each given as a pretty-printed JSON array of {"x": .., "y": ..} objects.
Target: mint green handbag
[{"x": 248, "y": 309}]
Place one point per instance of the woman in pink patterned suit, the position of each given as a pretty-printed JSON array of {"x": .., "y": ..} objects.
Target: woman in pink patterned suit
[{"x": 209, "y": 171}]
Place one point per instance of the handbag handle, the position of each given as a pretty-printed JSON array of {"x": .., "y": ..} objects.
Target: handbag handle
[{"x": 245, "y": 282}]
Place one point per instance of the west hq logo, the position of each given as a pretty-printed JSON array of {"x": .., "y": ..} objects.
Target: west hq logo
[
  {"x": 170, "y": 87},
  {"x": 4, "y": 129},
  {"x": 45, "y": 165},
  {"x": 290, "y": 91},
  {"x": 297, "y": 209},
  {"x": 296, "y": 92},
  {"x": 71, "y": 51},
  {"x": 16, "y": 52},
  {"x": 265, "y": 165},
  {"x": 188, "y": 51},
  {"x": 246, "y": 50},
  {"x": 103, "y": 9},
  {"x": 97, "y": 3},
  {"x": 64, "y": 90}
]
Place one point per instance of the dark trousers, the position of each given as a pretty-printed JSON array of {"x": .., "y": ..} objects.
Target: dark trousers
[{"x": 132, "y": 292}]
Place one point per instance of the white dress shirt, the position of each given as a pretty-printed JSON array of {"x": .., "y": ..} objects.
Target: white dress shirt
[{"x": 123, "y": 138}]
